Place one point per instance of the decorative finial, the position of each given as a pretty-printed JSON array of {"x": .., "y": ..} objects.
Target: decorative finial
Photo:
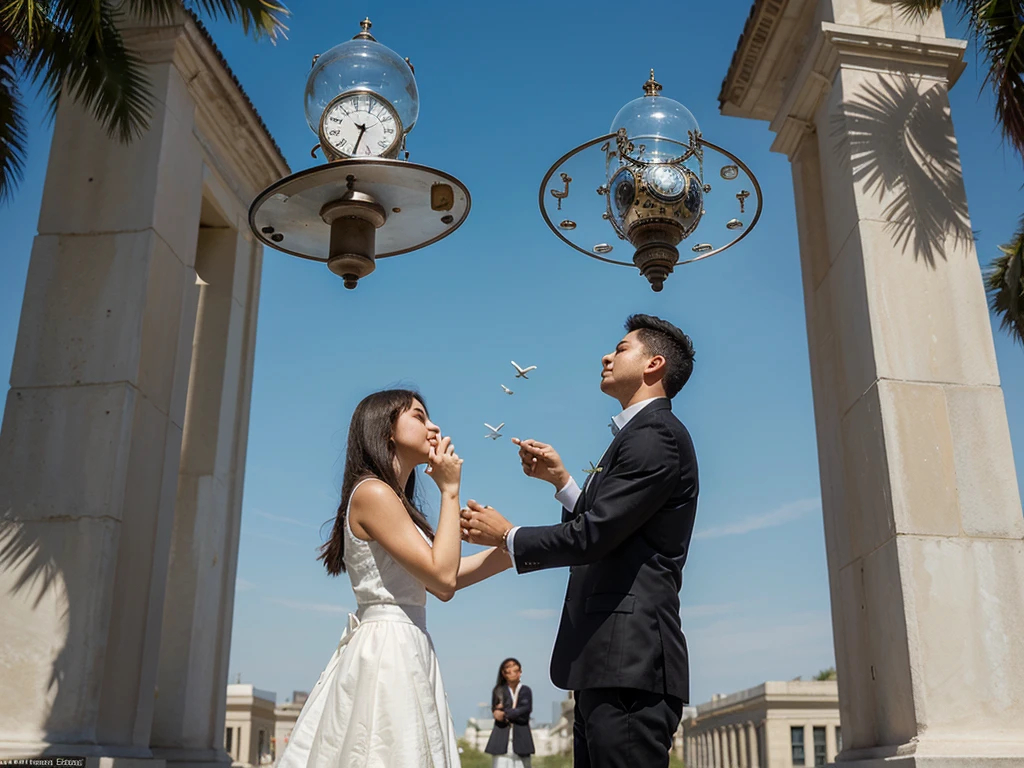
[
  {"x": 365, "y": 25},
  {"x": 652, "y": 86}
]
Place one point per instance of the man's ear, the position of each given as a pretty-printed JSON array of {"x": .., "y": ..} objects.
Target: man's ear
[{"x": 655, "y": 366}]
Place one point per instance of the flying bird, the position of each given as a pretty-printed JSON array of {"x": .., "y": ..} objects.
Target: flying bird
[
  {"x": 593, "y": 470},
  {"x": 495, "y": 432},
  {"x": 521, "y": 372},
  {"x": 506, "y": 390}
]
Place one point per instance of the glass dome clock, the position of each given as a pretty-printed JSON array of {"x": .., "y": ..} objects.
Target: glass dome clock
[
  {"x": 365, "y": 203},
  {"x": 649, "y": 174}
]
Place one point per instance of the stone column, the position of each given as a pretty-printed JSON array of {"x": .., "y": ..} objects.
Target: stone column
[
  {"x": 741, "y": 740},
  {"x": 830, "y": 743},
  {"x": 705, "y": 751},
  {"x": 91, "y": 436},
  {"x": 919, "y": 493},
  {"x": 755, "y": 746},
  {"x": 189, "y": 716},
  {"x": 716, "y": 744},
  {"x": 734, "y": 751}
]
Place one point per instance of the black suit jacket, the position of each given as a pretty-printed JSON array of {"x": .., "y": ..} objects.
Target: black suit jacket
[
  {"x": 625, "y": 544},
  {"x": 522, "y": 737}
]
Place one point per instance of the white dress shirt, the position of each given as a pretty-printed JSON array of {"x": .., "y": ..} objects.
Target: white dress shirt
[{"x": 569, "y": 494}]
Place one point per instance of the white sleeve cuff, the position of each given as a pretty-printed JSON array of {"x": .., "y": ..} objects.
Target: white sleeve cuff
[
  {"x": 510, "y": 546},
  {"x": 568, "y": 495}
]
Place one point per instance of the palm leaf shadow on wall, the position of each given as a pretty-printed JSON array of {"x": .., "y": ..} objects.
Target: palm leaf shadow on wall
[
  {"x": 895, "y": 139},
  {"x": 35, "y": 561}
]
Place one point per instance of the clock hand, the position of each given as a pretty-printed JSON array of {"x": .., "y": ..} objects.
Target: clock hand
[{"x": 362, "y": 130}]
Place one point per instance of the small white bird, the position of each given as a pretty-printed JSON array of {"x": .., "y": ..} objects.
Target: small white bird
[
  {"x": 495, "y": 432},
  {"x": 506, "y": 390},
  {"x": 521, "y": 372}
]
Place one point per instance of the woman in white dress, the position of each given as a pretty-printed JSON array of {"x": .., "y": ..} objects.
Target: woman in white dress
[{"x": 380, "y": 702}]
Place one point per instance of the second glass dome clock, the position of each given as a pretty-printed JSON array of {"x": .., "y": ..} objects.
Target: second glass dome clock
[{"x": 365, "y": 203}]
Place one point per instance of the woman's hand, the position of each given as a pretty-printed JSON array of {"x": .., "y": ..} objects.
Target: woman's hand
[
  {"x": 445, "y": 466},
  {"x": 499, "y": 715}
]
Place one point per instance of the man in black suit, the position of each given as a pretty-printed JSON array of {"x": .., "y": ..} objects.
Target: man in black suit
[{"x": 625, "y": 537}]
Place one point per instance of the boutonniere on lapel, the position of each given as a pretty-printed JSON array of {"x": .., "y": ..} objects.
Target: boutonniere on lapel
[{"x": 593, "y": 470}]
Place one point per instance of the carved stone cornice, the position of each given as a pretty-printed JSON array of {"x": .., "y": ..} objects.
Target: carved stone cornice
[
  {"x": 838, "y": 45},
  {"x": 236, "y": 139},
  {"x": 750, "y": 49}
]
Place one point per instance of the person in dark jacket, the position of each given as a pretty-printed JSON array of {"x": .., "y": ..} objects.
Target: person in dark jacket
[
  {"x": 625, "y": 537},
  {"x": 511, "y": 741}
]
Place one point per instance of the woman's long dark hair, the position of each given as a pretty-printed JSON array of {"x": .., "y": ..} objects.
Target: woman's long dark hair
[
  {"x": 502, "y": 682},
  {"x": 371, "y": 453}
]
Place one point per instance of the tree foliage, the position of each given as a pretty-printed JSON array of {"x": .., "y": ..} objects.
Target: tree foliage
[{"x": 74, "y": 49}]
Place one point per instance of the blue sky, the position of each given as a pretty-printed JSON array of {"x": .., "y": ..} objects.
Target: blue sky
[{"x": 505, "y": 90}]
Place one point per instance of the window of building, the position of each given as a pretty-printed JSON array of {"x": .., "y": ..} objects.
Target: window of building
[
  {"x": 228, "y": 739},
  {"x": 262, "y": 741},
  {"x": 820, "y": 757},
  {"x": 839, "y": 739},
  {"x": 796, "y": 738}
]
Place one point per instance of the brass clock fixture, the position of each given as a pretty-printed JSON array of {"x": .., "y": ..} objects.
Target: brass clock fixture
[
  {"x": 367, "y": 201},
  {"x": 649, "y": 173}
]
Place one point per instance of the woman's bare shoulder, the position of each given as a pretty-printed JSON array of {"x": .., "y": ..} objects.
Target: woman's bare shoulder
[{"x": 375, "y": 503}]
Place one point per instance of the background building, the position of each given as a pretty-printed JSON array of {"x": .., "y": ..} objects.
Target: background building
[
  {"x": 249, "y": 725},
  {"x": 285, "y": 716},
  {"x": 774, "y": 725}
]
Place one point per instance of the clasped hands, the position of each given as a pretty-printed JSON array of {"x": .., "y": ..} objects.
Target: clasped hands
[{"x": 483, "y": 524}]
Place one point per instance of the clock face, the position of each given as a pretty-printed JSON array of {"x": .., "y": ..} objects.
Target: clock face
[
  {"x": 666, "y": 182},
  {"x": 361, "y": 125}
]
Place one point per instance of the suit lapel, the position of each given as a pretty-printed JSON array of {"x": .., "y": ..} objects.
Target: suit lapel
[{"x": 593, "y": 481}]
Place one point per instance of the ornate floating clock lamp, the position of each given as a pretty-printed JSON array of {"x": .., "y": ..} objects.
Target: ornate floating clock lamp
[
  {"x": 649, "y": 176},
  {"x": 368, "y": 201}
]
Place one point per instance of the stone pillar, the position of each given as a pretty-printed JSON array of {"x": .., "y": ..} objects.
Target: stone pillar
[
  {"x": 189, "y": 716},
  {"x": 705, "y": 751},
  {"x": 734, "y": 752},
  {"x": 755, "y": 746},
  {"x": 830, "y": 743},
  {"x": 808, "y": 745},
  {"x": 716, "y": 743},
  {"x": 91, "y": 458},
  {"x": 919, "y": 493},
  {"x": 91, "y": 435},
  {"x": 741, "y": 740}
]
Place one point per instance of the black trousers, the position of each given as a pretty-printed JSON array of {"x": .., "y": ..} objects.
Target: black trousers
[{"x": 624, "y": 728}]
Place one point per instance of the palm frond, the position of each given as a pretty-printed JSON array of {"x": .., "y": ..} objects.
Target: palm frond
[
  {"x": 1001, "y": 24},
  {"x": 264, "y": 18},
  {"x": 13, "y": 134},
  {"x": 1005, "y": 285},
  {"x": 99, "y": 72},
  {"x": 22, "y": 21},
  {"x": 917, "y": 9}
]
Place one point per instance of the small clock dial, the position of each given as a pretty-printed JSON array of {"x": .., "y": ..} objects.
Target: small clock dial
[
  {"x": 361, "y": 125},
  {"x": 666, "y": 182}
]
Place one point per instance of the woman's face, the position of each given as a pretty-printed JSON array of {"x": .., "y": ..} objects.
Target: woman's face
[
  {"x": 415, "y": 434},
  {"x": 512, "y": 673}
]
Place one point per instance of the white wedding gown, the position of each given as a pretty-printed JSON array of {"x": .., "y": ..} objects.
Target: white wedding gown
[{"x": 380, "y": 702}]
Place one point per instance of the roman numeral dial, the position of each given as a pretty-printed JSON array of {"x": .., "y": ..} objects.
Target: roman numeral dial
[{"x": 361, "y": 124}]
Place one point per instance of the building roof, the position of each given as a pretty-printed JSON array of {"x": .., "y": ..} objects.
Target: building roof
[
  {"x": 227, "y": 68},
  {"x": 750, "y": 33}
]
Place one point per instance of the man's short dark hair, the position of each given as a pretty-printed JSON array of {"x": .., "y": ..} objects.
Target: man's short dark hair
[{"x": 660, "y": 337}]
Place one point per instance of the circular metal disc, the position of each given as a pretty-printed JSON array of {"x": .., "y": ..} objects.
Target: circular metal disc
[
  {"x": 430, "y": 205},
  {"x": 583, "y": 202}
]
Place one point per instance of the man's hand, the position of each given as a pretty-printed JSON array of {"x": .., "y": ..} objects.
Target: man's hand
[
  {"x": 499, "y": 715},
  {"x": 483, "y": 525},
  {"x": 541, "y": 461}
]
